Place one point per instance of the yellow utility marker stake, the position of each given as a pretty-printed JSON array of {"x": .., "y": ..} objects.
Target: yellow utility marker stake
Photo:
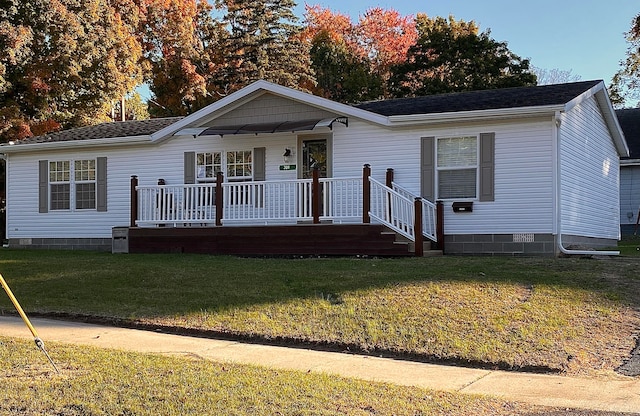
[{"x": 39, "y": 342}]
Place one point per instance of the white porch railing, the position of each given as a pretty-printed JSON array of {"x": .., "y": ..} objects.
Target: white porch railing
[
  {"x": 429, "y": 212},
  {"x": 264, "y": 202},
  {"x": 339, "y": 200},
  {"x": 176, "y": 204}
]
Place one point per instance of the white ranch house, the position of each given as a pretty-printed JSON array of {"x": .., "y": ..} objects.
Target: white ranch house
[{"x": 518, "y": 171}]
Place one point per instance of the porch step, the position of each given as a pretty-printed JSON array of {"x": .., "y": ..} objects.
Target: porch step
[
  {"x": 303, "y": 240},
  {"x": 427, "y": 250}
]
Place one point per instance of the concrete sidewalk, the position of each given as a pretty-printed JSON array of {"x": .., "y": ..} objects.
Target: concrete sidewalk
[{"x": 615, "y": 395}]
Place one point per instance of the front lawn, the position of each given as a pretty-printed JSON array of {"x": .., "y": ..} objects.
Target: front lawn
[{"x": 573, "y": 315}]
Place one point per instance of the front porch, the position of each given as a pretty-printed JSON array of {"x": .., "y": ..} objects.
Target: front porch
[{"x": 316, "y": 216}]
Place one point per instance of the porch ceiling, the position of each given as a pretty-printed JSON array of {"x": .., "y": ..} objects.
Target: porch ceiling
[{"x": 257, "y": 128}]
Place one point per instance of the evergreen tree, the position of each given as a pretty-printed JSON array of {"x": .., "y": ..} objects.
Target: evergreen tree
[{"x": 265, "y": 43}]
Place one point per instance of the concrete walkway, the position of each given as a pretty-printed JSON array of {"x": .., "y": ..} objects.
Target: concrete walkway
[{"x": 614, "y": 395}]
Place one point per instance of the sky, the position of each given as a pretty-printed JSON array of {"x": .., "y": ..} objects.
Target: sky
[{"x": 585, "y": 37}]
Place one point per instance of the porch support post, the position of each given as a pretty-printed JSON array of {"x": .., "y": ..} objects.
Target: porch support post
[
  {"x": 134, "y": 200},
  {"x": 315, "y": 196},
  {"x": 366, "y": 194},
  {"x": 389, "y": 178},
  {"x": 389, "y": 183},
  {"x": 219, "y": 199},
  {"x": 417, "y": 227},
  {"x": 440, "y": 224}
]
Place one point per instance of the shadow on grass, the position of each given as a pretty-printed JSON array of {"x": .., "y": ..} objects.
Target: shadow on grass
[
  {"x": 165, "y": 291},
  {"x": 150, "y": 285}
]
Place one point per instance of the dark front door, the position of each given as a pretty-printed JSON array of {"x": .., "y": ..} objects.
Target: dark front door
[{"x": 314, "y": 156}]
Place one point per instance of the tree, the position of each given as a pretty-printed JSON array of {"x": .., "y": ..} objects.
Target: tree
[
  {"x": 625, "y": 85},
  {"x": 554, "y": 76},
  {"x": 380, "y": 39},
  {"x": 265, "y": 43},
  {"x": 451, "y": 56},
  {"x": 340, "y": 74},
  {"x": 182, "y": 41},
  {"x": 64, "y": 63}
]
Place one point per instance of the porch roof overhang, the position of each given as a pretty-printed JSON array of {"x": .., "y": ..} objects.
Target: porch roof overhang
[{"x": 260, "y": 128}]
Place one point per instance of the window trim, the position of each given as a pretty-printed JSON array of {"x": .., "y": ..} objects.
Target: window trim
[{"x": 72, "y": 182}]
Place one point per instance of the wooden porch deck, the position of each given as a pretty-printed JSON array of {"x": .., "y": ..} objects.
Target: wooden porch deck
[{"x": 285, "y": 240}]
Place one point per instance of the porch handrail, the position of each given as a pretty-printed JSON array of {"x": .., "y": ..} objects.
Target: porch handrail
[
  {"x": 249, "y": 202},
  {"x": 176, "y": 204},
  {"x": 392, "y": 209},
  {"x": 429, "y": 212}
]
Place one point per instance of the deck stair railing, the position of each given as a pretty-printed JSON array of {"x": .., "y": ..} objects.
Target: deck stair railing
[{"x": 429, "y": 212}]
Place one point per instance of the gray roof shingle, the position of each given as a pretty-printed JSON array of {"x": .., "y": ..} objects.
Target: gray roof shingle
[
  {"x": 629, "y": 119},
  {"x": 105, "y": 130},
  {"x": 480, "y": 100}
]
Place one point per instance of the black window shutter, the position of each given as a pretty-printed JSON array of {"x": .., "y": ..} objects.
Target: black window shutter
[{"x": 259, "y": 164}]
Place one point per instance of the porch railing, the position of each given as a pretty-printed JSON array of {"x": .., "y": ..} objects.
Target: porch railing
[
  {"x": 337, "y": 200},
  {"x": 429, "y": 212}
]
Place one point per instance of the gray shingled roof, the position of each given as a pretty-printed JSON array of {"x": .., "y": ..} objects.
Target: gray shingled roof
[
  {"x": 629, "y": 120},
  {"x": 480, "y": 100},
  {"x": 105, "y": 130}
]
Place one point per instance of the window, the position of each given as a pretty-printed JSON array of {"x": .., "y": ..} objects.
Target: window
[
  {"x": 77, "y": 179},
  {"x": 60, "y": 185},
  {"x": 457, "y": 167},
  {"x": 207, "y": 165},
  {"x": 239, "y": 165}
]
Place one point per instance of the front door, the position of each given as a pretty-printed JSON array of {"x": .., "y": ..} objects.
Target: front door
[{"x": 314, "y": 156}]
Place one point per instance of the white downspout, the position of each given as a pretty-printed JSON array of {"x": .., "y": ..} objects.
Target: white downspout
[{"x": 558, "y": 209}]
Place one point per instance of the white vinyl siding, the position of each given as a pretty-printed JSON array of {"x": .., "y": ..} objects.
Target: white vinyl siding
[
  {"x": 590, "y": 178},
  {"x": 523, "y": 180},
  {"x": 629, "y": 193}
]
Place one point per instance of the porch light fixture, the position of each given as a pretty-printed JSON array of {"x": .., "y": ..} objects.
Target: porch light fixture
[{"x": 287, "y": 152}]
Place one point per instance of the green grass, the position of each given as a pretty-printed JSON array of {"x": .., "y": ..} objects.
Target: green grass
[
  {"x": 571, "y": 314},
  {"x": 106, "y": 382}
]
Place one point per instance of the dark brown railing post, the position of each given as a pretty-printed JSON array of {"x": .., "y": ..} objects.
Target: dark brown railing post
[
  {"x": 389, "y": 177},
  {"x": 219, "y": 198},
  {"x": 366, "y": 194},
  {"x": 389, "y": 183},
  {"x": 315, "y": 196},
  {"x": 134, "y": 200},
  {"x": 440, "y": 224},
  {"x": 417, "y": 227}
]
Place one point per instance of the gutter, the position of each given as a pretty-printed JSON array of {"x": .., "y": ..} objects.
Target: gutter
[
  {"x": 558, "y": 210},
  {"x": 499, "y": 113},
  {"x": 71, "y": 144}
]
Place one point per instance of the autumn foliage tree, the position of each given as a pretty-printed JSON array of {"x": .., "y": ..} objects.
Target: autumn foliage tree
[
  {"x": 344, "y": 52},
  {"x": 63, "y": 63}
]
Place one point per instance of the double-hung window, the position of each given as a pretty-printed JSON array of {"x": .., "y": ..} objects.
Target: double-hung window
[
  {"x": 457, "y": 167},
  {"x": 72, "y": 184}
]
